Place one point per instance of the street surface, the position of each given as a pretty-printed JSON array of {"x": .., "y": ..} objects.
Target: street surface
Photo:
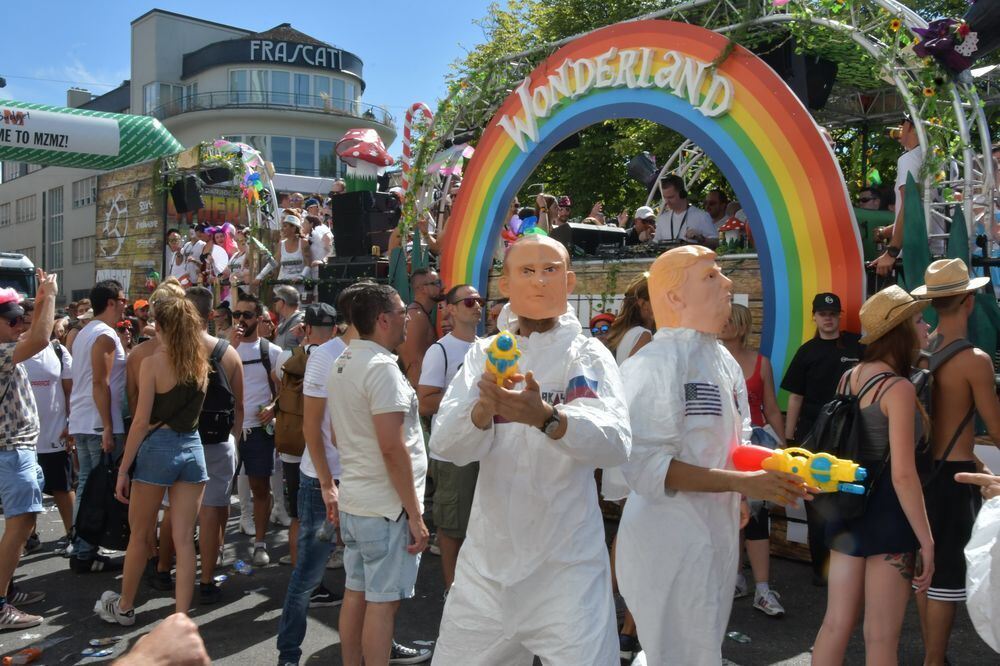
[{"x": 241, "y": 629}]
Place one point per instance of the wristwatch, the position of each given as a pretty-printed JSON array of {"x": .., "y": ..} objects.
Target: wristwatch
[
  {"x": 551, "y": 424},
  {"x": 892, "y": 251}
]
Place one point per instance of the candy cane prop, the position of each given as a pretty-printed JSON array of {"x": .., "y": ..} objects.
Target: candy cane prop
[{"x": 407, "y": 137}]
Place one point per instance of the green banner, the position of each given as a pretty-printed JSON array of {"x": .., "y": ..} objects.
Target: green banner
[{"x": 60, "y": 136}]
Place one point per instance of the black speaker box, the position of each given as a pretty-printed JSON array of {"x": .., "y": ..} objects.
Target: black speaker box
[
  {"x": 361, "y": 220},
  {"x": 341, "y": 272},
  {"x": 186, "y": 195},
  {"x": 216, "y": 175},
  {"x": 811, "y": 78},
  {"x": 586, "y": 238}
]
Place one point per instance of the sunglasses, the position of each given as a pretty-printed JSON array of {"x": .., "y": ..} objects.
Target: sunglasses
[
  {"x": 238, "y": 314},
  {"x": 600, "y": 330},
  {"x": 122, "y": 300},
  {"x": 471, "y": 301},
  {"x": 14, "y": 321},
  {"x": 433, "y": 283},
  {"x": 866, "y": 199}
]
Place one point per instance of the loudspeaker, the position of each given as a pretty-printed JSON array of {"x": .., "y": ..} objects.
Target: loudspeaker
[
  {"x": 341, "y": 272},
  {"x": 811, "y": 78},
  {"x": 586, "y": 238},
  {"x": 216, "y": 175},
  {"x": 642, "y": 168},
  {"x": 361, "y": 220},
  {"x": 186, "y": 195}
]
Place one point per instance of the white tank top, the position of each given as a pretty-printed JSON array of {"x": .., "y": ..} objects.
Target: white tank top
[
  {"x": 292, "y": 263},
  {"x": 83, "y": 416}
]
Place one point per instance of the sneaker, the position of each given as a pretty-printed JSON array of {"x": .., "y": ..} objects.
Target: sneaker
[
  {"x": 246, "y": 524},
  {"x": 285, "y": 559},
  {"x": 64, "y": 547},
  {"x": 95, "y": 564},
  {"x": 280, "y": 518},
  {"x": 209, "y": 593},
  {"x": 434, "y": 549},
  {"x": 21, "y": 598},
  {"x": 628, "y": 646},
  {"x": 260, "y": 556},
  {"x": 11, "y": 619},
  {"x": 107, "y": 608},
  {"x": 742, "y": 589},
  {"x": 32, "y": 544},
  {"x": 404, "y": 654},
  {"x": 160, "y": 580},
  {"x": 323, "y": 598},
  {"x": 768, "y": 604},
  {"x": 336, "y": 560}
]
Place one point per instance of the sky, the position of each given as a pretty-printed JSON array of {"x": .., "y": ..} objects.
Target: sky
[{"x": 406, "y": 46}]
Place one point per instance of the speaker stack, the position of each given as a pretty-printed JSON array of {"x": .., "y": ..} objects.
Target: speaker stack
[
  {"x": 340, "y": 272},
  {"x": 186, "y": 195},
  {"x": 362, "y": 220}
]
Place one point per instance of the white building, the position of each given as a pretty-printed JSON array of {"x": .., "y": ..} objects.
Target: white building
[{"x": 289, "y": 95}]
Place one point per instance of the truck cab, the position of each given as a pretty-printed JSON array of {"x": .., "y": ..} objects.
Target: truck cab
[{"x": 18, "y": 273}]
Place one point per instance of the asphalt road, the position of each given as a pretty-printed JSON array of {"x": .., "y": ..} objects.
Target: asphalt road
[{"x": 241, "y": 629}]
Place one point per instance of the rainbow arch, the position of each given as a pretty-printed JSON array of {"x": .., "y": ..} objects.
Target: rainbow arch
[{"x": 767, "y": 145}]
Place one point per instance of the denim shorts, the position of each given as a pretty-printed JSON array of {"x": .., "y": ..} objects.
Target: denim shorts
[
  {"x": 21, "y": 482},
  {"x": 375, "y": 557},
  {"x": 257, "y": 452},
  {"x": 166, "y": 457}
]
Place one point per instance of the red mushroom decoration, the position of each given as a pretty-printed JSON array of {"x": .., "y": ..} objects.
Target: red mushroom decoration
[
  {"x": 731, "y": 230},
  {"x": 365, "y": 155}
]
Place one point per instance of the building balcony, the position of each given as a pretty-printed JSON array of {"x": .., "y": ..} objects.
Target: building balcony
[{"x": 238, "y": 100}]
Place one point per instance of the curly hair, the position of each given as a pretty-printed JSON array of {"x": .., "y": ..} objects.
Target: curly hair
[{"x": 179, "y": 329}]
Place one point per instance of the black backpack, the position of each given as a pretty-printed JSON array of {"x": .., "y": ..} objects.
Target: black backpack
[
  {"x": 218, "y": 414},
  {"x": 839, "y": 431},
  {"x": 922, "y": 377}
]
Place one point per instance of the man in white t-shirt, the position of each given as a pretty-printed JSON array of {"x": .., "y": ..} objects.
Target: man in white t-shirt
[
  {"x": 96, "y": 403},
  {"x": 680, "y": 221},
  {"x": 454, "y": 486},
  {"x": 50, "y": 372},
  {"x": 256, "y": 448},
  {"x": 377, "y": 429}
]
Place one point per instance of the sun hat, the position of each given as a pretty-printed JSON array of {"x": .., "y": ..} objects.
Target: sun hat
[
  {"x": 885, "y": 310},
  {"x": 293, "y": 220},
  {"x": 948, "y": 277}
]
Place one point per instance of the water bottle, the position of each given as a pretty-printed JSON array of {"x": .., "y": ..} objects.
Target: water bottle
[
  {"x": 243, "y": 568},
  {"x": 327, "y": 531}
]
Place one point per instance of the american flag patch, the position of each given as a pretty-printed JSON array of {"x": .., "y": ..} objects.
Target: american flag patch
[
  {"x": 581, "y": 386},
  {"x": 702, "y": 399}
]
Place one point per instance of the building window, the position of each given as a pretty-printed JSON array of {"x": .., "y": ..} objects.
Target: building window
[
  {"x": 190, "y": 100},
  {"x": 55, "y": 258},
  {"x": 155, "y": 95},
  {"x": 25, "y": 208},
  {"x": 302, "y": 90},
  {"x": 327, "y": 159},
  {"x": 78, "y": 294},
  {"x": 85, "y": 192},
  {"x": 281, "y": 88},
  {"x": 5, "y": 215},
  {"x": 281, "y": 153},
  {"x": 305, "y": 157},
  {"x": 28, "y": 252},
  {"x": 83, "y": 250}
]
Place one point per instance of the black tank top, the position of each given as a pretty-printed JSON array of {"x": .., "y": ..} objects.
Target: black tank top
[{"x": 178, "y": 408}]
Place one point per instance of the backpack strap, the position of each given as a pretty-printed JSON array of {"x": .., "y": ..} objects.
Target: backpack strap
[
  {"x": 56, "y": 348},
  {"x": 216, "y": 360},
  {"x": 265, "y": 360},
  {"x": 942, "y": 356},
  {"x": 874, "y": 380},
  {"x": 951, "y": 444},
  {"x": 444, "y": 352}
]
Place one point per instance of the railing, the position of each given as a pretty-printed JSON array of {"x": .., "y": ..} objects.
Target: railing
[{"x": 273, "y": 100}]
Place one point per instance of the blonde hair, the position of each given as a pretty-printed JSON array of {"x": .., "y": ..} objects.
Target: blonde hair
[
  {"x": 179, "y": 328},
  {"x": 742, "y": 320}
]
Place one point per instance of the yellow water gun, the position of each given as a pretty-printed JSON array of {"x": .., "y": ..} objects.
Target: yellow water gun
[
  {"x": 820, "y": 470},
  {"x": 502, "y": 356}
]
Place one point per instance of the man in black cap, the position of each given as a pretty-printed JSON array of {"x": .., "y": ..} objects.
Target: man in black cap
[
  {"x": 20, "y": 475},
  {"x": 811, "y": 381}
]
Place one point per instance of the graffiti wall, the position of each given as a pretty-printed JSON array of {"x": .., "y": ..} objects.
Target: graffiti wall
[{"x": 130, "y": 230}]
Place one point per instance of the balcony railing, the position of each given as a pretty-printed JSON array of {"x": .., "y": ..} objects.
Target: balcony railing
[{"x": 273, "y": 100}]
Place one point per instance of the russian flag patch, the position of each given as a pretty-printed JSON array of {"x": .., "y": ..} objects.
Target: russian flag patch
[{"x": 581, "y": 386}]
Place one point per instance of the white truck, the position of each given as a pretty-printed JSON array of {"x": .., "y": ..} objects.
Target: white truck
[{"x": 18, "y": 273}]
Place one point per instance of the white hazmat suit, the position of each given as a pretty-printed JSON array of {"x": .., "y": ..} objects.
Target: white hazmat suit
[
  {"x": 677, "y": 551},
  {"x": 533, "y": 574}
]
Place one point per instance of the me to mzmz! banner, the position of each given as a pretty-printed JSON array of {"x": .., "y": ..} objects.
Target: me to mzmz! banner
[
  {"x": 130, "y": 231},
  {"x": 61, "y": 136}
]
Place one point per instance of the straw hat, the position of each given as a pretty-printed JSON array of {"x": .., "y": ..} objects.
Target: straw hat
[
  {"x": 885, "y": 310},
  {"x": 948, "y": 277}
]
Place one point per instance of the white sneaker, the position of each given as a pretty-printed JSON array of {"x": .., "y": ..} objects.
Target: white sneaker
[
  {"x": 768, "y": 604},
  {"x": 107, "y": 608},
  {"x": 246, "y": 524},
  {"x": 742, "y": 589},
  {"x": 280, "y": 518},
  {"x": 260, "y": 556},
  {"x": 336, "y": 560}
]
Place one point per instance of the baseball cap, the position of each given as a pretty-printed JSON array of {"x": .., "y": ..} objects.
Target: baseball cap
[
  {"x": 320, "y": 314},
  {"x": 644, "y": 213},
  {"x": 311, "y": 202},
  {"x": 10, "y": 303},
  {"x": 140, "y": 303},
  {"x": 826, "y": 302}
]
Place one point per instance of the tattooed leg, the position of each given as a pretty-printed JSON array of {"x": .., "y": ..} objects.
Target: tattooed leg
[{"x": 903, "y": 563}]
